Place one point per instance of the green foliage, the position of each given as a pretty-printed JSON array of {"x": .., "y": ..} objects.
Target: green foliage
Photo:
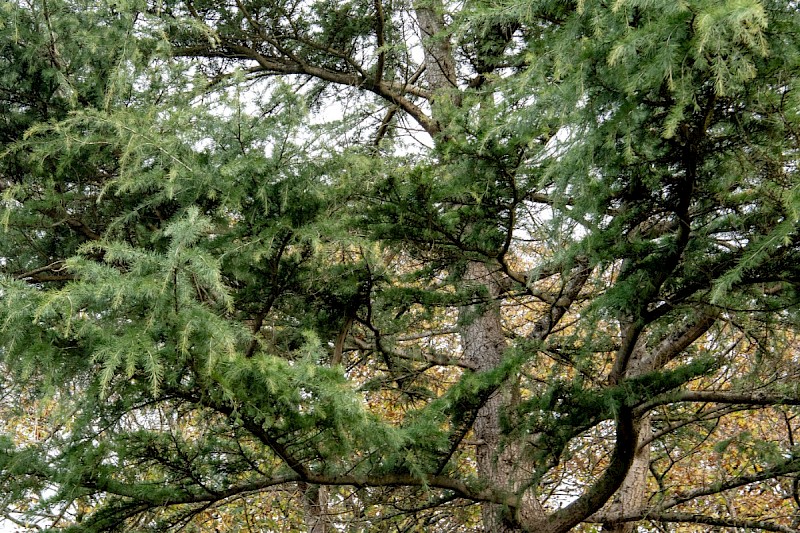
[{"x": 217, "y": 291}]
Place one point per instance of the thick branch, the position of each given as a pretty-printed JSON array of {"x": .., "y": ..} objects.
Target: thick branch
[
  {"x": 156, "y": 495},
  {"x": 604, "y": 488},
  {"x": 673, "y": 344}
]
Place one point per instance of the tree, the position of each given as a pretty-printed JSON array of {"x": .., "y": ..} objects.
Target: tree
[{"x": 536, "y": 270}]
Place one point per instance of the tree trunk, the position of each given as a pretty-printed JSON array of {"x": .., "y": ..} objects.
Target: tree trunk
[
  {"x": 440, "y": 65},
  {"x": 484, "y": 343},
  {"x": 315, "y": 508},
  {"x": 481, "y": 328}
]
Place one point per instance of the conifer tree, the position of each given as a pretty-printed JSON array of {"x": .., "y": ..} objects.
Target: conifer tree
[{"x": 494, "y": 265}]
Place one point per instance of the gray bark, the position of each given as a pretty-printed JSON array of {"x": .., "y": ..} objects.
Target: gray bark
[
  {"x": 315, "y": 508},
  {"x": 631, "y": 495},
  {"x": 498, "y": 462},
  {"x": 481, "y": 328},
  {"x": 440, "y": 65}
]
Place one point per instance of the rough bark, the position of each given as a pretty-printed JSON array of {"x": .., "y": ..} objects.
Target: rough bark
[
  {"x": 631, "y": 495},
  {"x": 440, "y": 65},
  {"x": 481, "y": 324},
  {"x": 644, "y": 359},
  {"x": 497, "y": 461},
  {"x": 315, "y": 508}
]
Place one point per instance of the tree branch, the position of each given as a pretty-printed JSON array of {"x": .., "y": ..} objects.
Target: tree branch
[
  {"x": 392, "y": 92},
  {"x": 726, "y": 397},
  {"x": 789, "y": 466},
  {"x": 157, "y": 495},
  {"x": 607, "y": 484},
  {"x": 562, "y": 302},
  {"x": 690, "y": 518}
]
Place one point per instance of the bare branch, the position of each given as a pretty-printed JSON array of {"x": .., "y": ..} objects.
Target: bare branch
[
  {"x": 561, "y": 304},
  {"x": 787, "y": 467}
]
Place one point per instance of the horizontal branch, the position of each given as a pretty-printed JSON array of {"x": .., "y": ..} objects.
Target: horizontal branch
[
  {"x": 690, "y": 518},
  {"x": 461, "y": 489},
  {"x": 426, "y": 334},
  {"x": 158, "y": 495},
  {"x": 433, "y": 359},
  {"x": 53, "y": 272},
  {"x": 725, "y": 397}
]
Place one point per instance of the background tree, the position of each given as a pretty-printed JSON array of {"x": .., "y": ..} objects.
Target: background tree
[{"x": 511, "y": 266}]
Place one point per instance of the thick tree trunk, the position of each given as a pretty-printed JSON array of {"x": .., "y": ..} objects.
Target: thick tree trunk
[
  {"x": 484, "y": 344},
  {"x": 440, "y": 65},
  {"x": 481, "y": 328}
]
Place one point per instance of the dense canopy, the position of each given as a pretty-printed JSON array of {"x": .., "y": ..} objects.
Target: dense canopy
[{"x": 399, "y": 265}]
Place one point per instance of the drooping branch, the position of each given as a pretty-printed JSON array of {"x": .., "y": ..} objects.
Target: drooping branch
[{"x": 251, "y": 425}]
